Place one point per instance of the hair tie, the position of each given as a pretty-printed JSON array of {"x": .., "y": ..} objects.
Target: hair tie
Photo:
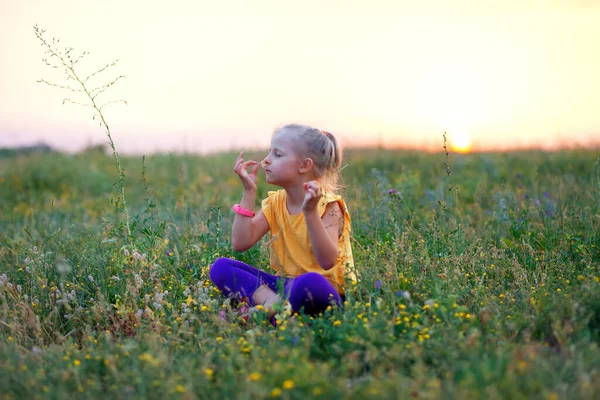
[{"x": 324, "y": 133}]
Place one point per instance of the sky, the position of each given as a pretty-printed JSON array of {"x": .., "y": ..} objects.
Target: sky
[{"x": 204, "y": 76}]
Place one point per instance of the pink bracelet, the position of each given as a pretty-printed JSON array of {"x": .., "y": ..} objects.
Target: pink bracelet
[{"x": 242, "y": 211}]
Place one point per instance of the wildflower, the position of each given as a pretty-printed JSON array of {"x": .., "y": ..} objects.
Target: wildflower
[
  {"x": 522, "y": 365},
  {"x": 208, "y": 372},
  {"x": 378, "y": 284},
  {"x": 179, "y": 389},
  {"x": 147, "y": 357},
  {"x": 276, "y": 392},
  {"x": 405, "y": 295},
  {"x": 189, "y": 300},
  {"x": 63, "y": 268},
  {"x": 552, "y": 396},
  {"x": 288, "y": 384},
  {"x": 76, "y": 363},
  {"x": 255, "y": 376},
  {"x": 138, "y": 281}
]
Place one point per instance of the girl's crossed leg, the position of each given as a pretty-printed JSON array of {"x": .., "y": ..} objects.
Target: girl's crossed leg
[
  {"x": 310, "y": 292},
  {"x": 241, "y": 280}
]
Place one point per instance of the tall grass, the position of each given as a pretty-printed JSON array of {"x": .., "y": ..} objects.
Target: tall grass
[
  {"x": 492, "y": 291},
  {"x": 87, "y": 92}
]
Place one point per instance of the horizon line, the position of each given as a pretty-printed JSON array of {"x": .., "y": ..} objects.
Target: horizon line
[{"x": 592, "y": 145}]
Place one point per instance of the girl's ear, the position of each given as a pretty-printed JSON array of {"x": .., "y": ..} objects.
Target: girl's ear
[{"x": 306, "y": 165}]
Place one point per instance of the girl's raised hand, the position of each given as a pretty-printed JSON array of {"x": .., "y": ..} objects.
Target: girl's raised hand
[
  {"x": 241, "y": 168},
  {"x": 312, "y": 194}
]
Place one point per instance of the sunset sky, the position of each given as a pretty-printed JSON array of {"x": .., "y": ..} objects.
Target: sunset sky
[{"x": 216, "y": 75}]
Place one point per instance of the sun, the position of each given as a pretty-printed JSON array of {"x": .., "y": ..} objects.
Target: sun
[{"x": 460, "y": 142}]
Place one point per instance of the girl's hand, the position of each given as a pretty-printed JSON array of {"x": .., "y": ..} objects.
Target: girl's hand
[
  {"x": 312, "y": 195},
  {"x": 248, "y": 179}
]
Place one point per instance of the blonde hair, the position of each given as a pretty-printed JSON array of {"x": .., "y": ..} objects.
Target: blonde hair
[{"x": 320, "y": 146}]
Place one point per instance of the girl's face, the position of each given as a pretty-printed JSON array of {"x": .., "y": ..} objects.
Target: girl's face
[{"x": 282, "y": 164}]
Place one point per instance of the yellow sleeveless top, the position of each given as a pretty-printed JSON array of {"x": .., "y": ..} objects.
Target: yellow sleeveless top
[{"x": 291, "y": 251}]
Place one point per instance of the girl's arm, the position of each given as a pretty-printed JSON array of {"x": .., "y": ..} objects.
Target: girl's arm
[
  {"x": 247, "y": 231},
  {"x": 324, "y": 233}
]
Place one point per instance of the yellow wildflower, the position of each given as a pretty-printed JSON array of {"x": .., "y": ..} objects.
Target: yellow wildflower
[
  {"x": 255, "y": 376},
  {"x": 288, "y": 384}
]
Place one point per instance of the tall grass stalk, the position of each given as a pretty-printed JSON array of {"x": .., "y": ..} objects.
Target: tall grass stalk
[{"x": 63, "y": 59}]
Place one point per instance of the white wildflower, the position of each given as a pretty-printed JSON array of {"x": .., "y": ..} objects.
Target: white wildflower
[
  {"x": 63, "y": 268},
  {"x": 138, "y": 281}
]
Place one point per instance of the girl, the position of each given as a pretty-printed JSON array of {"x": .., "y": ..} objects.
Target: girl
[{"x": 309, "y": 225}]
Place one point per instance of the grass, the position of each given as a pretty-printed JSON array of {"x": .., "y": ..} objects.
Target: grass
[{"x": 481, "y": 283}]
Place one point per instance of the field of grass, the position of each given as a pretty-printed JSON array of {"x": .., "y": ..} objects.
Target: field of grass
[{"x": 483, "y": 283}]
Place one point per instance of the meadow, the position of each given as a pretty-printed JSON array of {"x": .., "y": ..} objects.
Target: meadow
[{"x": 478, "y": 278}]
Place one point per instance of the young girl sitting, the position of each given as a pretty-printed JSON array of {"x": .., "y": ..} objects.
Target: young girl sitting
[{"x": 309, "y": 226}]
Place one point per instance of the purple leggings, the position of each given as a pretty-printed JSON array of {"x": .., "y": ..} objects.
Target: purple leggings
[{"x": 310, "y": 292}]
